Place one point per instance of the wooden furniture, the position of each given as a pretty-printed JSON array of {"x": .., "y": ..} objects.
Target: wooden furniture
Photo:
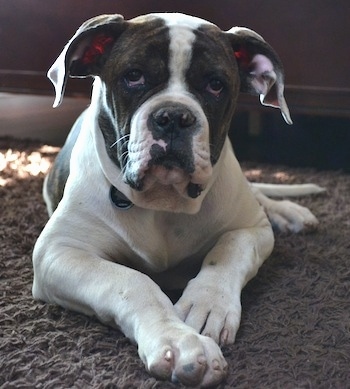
[{"x": 311, "y": 38}]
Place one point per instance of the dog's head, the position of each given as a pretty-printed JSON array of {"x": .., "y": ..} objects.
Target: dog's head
[{"x": 165, "y": 91}]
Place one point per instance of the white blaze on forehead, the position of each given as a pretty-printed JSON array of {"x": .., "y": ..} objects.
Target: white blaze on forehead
[{"x": 182, "y": 36}]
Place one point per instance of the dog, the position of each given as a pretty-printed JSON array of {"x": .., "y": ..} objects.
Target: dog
[{"x": 147, "y": 195}]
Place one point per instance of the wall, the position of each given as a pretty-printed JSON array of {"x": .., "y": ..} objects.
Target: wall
[{"x": 28, "y": 116}]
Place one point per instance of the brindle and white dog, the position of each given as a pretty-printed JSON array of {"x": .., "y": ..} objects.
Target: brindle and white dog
[{"x": 147, "y": 195}]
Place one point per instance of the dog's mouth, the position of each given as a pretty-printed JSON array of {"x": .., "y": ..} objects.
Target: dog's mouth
[
  {"x": 168, "y": 170},
  {"x": 169, "y": 161},
  {"x": 171, "y": 157},
  {"x": 171, "y": 169}
]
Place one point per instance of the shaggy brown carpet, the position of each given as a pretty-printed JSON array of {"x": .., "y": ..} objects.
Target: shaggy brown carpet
[{"x": 296, "y": 312}]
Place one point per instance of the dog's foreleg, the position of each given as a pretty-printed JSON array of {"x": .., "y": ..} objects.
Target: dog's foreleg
[
  {"x": 118, "y": 295},
  {"x": 211, "y": 302}
]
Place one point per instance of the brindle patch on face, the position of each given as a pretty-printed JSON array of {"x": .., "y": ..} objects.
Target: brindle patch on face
[
  {"x": 115, "y": 148},
  {"x": 149, "y": 57},
  {"x": 213, "y": 59}
]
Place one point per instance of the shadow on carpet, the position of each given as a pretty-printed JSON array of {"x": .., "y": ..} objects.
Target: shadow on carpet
[{"x": 295, "y": 330}]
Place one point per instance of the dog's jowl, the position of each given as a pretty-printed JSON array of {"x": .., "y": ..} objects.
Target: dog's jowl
[{"x": 147, "y": 195}]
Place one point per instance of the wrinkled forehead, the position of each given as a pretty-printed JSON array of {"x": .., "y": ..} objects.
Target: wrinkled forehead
[
  {"x": 180, "y": 29},
  {"x": 180, "y": 33}
]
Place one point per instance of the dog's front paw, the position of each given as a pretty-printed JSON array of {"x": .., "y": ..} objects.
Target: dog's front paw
[
  {"x": 287, "y": 216},
  {"x": 210, "y": 311},
  {"x": 178, "y": 354}
]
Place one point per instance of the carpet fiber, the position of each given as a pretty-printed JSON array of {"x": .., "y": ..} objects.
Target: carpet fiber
[{"x": 295, "y": 330}]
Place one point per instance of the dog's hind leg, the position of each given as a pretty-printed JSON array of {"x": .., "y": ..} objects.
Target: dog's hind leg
[{"x": 285, "y": 215}]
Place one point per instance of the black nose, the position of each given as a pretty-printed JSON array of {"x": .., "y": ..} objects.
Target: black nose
[{"x": 172, "y": 119}]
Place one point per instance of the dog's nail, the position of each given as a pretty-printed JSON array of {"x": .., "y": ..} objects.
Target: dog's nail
[
  {"x": 202, "y": 360},
  {"x": 168, "y": 356},
  {"x": 224, "y": 337},
  {"x": 216, "y": 365}
]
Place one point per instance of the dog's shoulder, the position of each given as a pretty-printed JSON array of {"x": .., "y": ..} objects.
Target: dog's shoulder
[{"x": 56, "y": 180}]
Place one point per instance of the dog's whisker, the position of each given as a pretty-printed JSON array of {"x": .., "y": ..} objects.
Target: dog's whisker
[
  {"x": 123, "y": 157},
  {"x": 122, "y": 171},
  {"x": 120, "y": 140}
]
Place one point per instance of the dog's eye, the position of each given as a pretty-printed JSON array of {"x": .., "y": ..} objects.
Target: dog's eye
[
  {"x": 215, "y": 87},
  {"x": 135, "y": 78}
]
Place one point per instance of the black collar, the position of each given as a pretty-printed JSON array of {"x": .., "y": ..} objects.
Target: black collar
[{"x": 119, "y": 200}]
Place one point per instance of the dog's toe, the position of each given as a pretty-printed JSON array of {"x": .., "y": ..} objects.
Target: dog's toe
[
  {"x": 185, "y": 357},
  {"x": 161, "y": 363}
]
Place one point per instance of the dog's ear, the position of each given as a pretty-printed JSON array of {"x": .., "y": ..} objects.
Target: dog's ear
[
  {"x": 260, "y": 68},
  {"x": 86, "y": 52}
]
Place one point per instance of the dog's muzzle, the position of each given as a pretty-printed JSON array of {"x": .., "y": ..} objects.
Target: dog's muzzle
[
  {"x": 172, "y": 128},
  {"x": 175, "y": 125},
  {"x": 168, "y": 150}
]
